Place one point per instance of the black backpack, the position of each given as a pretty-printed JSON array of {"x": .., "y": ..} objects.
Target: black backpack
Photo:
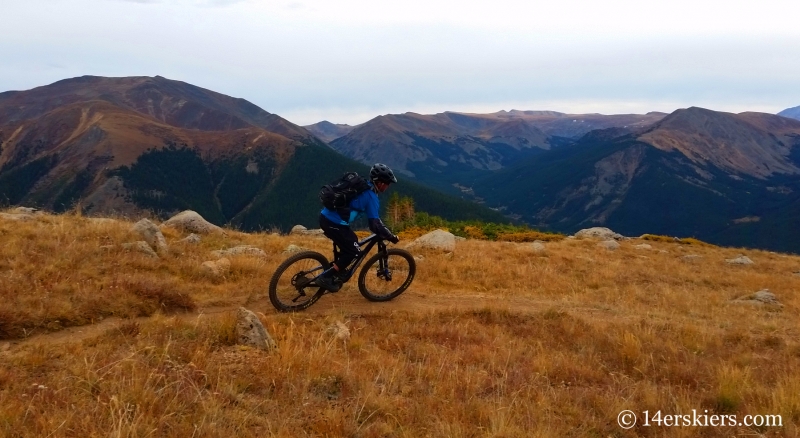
[{"x": 338, "y": 194}]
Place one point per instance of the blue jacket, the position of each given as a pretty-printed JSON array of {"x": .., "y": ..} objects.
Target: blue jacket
[{"x": 366, "y": 203}]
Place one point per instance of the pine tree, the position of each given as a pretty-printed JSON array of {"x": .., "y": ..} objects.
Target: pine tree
[
  {"x": 393, "y": 210},
  {"x": 406, "y": 208}
]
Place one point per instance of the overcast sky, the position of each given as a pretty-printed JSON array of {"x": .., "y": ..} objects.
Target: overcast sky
[{"x": 348, "y": 61}]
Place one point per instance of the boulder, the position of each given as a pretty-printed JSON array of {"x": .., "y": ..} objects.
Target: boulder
[
  {"x": 691, "y": 257},
  {"x": 598, "y": 233},
  {"x": 766, "y": 297},
  {"x": 643, "y": 246},
  {"x": 151, "y": 234},
  {"x": 303, "y": 231},
  {"x": 250, "y": 331},
  {"x": 610, "y": 245},
  {"x": 761, "y": 298},
  {"x": 140, "y": 246},
  {"x": 192, "y": 239},
  {"x": 437, "y": 239},
  {"x": 217, "y": 268},
  {"x": 239, "y": 250},
  {"x": 191, "y": 221},
  {"x": 538, "y": 246},
  {"x": 339, "y": 331},
  {"x": 741, "y": 260}
]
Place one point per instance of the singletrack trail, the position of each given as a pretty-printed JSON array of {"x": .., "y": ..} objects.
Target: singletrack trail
[{"x": 348, "y": 301}]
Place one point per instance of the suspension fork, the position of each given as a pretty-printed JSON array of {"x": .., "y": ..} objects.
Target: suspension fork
[{"x": 383, "y": 262}]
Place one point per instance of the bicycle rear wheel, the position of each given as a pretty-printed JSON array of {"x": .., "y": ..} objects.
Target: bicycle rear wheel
[
  {"x": 387, "y": 275},
  {"x": 291, "y": 288}
]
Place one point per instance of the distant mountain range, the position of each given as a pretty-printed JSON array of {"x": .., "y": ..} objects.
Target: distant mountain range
[
  {"x": 730, "y": 179},
  {"x": 328, "y": 131},
  {"x": 128, "y": 145},
  {"x": 793, "y": 113},
  {"x": 450, "y": 149},
  {"x": 139, "y": 143},
  {"x": 722, "y": 177}
]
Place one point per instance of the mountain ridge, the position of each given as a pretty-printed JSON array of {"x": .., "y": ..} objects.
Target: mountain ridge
[
  {"x": 125, "y": 145},
  {"x": 684, "y": 176},
  {"x": 173, "y": 102}
]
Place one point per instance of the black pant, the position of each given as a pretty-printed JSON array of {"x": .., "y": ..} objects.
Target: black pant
[{"x": 344, "y": 238}]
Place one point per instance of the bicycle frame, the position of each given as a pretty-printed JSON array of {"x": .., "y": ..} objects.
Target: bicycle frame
[{"x": 365, "y": 246}]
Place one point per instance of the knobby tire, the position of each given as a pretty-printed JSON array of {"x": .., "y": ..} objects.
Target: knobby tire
[
  {"x": 281, "y": 290},
  {"x": 402, "y": 264}
]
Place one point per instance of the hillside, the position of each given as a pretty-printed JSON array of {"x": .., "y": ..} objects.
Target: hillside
[
  {"x": 491, "y": 339},
  {"x": 130, "y": 145},
  {"x": 724, "y": 178}
]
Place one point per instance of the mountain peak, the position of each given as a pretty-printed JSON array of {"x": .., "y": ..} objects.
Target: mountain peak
[
  {"x": 738, "y": 143},
  {"x": 175, "y": 103},
  {"x": 328, "y": 131}
]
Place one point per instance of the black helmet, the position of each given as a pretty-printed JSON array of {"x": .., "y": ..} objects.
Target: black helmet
[{"x": 381, "y": 172}]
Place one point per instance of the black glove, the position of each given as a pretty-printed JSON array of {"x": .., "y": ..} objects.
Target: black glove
[{"x": 393, "y": 239}]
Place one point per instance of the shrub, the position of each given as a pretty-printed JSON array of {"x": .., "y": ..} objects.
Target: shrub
[
  {"x": 474, "y": 232},
  {"x": 659, "y": 238},
  {"x": 693, "y": 241}
]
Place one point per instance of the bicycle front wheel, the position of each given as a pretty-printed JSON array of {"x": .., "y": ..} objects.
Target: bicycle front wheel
[
  {"x": 387, "y": 275},
  {"x": 291, "y": 288}
]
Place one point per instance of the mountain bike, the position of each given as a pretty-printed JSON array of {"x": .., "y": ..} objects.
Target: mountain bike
[{"x": 385, "y": 275}]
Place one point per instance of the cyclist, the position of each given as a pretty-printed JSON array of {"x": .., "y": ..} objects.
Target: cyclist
[{"x": 337, "y": 228}]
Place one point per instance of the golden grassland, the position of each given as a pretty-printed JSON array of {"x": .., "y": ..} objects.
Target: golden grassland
[{"x": 493, "y": 339}]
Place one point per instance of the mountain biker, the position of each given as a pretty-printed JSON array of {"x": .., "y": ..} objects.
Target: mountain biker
[{"x": 337, "y": 228}]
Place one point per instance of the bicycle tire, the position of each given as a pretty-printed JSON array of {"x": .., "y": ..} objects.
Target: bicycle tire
[
  {"x": 400, "y": 262},
  {"x": 282, "y": 289}
]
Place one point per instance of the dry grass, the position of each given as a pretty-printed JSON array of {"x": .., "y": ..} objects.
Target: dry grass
[{"x": 492, "y": 340}]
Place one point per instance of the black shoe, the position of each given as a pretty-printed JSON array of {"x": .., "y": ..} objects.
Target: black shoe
[{"x": 329, "y": 283}]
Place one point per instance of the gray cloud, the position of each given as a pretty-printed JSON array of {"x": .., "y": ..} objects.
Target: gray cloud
[{"x": 291, "y": 58}]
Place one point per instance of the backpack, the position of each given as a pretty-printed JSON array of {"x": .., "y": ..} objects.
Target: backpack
[{"x": 338, "y": 194}]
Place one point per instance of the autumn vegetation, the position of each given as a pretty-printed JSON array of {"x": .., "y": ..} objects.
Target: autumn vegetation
[{"x": 494, "y": 339}]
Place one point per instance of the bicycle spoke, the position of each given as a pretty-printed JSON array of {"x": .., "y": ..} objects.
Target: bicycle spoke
[
  {"x": 386, "y": 276},
  {"x": 292, "y": 287}
]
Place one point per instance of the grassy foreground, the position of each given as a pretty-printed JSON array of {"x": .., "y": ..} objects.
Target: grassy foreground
[{"x": 491, "y": 340}]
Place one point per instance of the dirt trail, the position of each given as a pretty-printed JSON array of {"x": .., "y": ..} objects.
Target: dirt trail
[{"x": 348, "y": 301}]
